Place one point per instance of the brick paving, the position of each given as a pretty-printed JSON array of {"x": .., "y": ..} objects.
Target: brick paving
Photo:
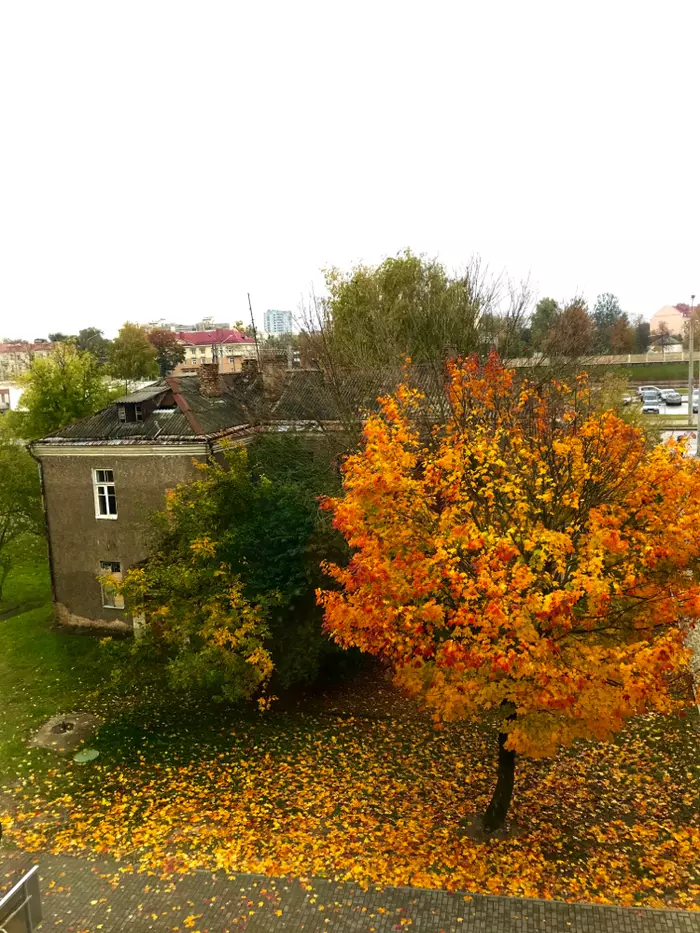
[{"x": 81, "y": 896}]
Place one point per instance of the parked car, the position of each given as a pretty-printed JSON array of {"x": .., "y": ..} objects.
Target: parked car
[
  {"x": 671, "y": 397},
  {"x": 650, "y": 403},
  {"x": 642, "y": 389}
]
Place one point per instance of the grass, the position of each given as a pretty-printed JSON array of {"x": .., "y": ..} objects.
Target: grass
[
  {"x": 645, "y": 373},
  {"x": 42, "y": 671}
]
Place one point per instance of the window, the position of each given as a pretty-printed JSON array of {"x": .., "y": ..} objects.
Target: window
[
  {"x": 111, "y": 574},
  {"x": 194, "y": 360},
  {"x": 138, "y": 413},
  {"x": 202, "y": 350},
  {"x": 105, "y": 494},
  {"x": 121, "y": 411}
]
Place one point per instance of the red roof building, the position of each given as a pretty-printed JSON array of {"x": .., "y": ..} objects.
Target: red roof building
[{"x": 232, "y": 350}]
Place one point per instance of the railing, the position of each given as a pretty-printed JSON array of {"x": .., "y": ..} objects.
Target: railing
[
  {"x": 622, "y": 359},
  {"x": 20, "y": 908}
]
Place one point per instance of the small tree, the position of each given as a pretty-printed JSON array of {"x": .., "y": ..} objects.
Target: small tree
[
  {"x": 606, "y": 314},
  {"x": 21, "y": 516},
  {"x": 572, "y": 333},
  {"x": 169, "y": 351},
  {"x": 60, "y": 388},
  {"x": 543, "y": 322},
  {"x": 132, "y": 357},
  {"x": 621, "y": 336},
  {"x": 535, "y": 559},
  {"x": 642, "y": 332}
]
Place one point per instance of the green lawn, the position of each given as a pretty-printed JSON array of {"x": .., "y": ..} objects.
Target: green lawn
[
  {"x": 645, "y": 373},
  {"x": 43, "y": 671}
]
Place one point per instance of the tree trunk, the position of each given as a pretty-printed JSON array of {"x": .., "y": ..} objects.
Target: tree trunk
[{"x": 497, "y": 810}]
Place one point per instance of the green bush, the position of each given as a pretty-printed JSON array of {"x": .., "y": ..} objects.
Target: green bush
[{"x": 234, "y": 567}]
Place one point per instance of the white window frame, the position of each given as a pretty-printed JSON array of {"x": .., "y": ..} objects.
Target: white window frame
[
  {"x": 97, "y": 485},
  {"x": 111, "y": 599}
]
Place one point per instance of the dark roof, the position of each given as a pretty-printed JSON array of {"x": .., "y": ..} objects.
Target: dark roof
[
  {"x": 142, "y": 394},
  {"x": 174, "y": 409},
  {"x": 179, "y": 411},
  {"x": 308, "y": 395}
]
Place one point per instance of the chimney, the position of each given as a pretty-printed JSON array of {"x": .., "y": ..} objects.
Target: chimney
[{"x": 209, "y": 380}]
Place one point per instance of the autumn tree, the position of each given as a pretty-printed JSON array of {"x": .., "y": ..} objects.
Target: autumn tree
[
  {"x": 60, "y": 388},
  {"x": 534, "y": 559},
  {"x": 169, "y": 351},
  {"x": 572, "y": 334},
  {"x": 131, "y": 356},
  {"x": 621, "y": 337}
]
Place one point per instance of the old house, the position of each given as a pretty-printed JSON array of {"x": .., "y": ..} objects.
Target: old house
[{"x": 104, "y": 475}]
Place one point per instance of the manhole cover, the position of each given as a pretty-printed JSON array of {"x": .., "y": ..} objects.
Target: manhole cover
[
  {"x": 61, "y": 727},
  {"x": 87, "y": 754}
]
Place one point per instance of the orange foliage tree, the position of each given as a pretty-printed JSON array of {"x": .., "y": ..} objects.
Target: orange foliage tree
[{"x": 533, "y": 557}]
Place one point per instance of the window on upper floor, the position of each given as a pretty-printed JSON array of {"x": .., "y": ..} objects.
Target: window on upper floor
[
  {"x": 194, "y": 360},
  {"x": 110, "y": 577},
  {"x": 105, "y": 493}
]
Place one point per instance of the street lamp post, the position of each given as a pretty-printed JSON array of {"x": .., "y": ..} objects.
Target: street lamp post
[{"x": 691, "y": 362}]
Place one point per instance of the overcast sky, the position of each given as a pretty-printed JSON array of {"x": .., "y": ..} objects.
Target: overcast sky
[{"x": 162, "y": 159}]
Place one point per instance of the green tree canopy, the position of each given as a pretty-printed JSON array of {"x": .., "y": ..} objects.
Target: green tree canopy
[
  {"x": 411, "y": 306},
  {"x": 543, "y": 322},
  {"x": 21, "y": 515},
  {"x": 132, "y": 356},
  {"x": 60, "y": 388},
  {"x": 92, "y": 340},
  {"x": 606, "y": 317},
  {"x": 233, "y": 570},
  {"x": 642, "y": 334},
  {"x": 169, "y": 351}
]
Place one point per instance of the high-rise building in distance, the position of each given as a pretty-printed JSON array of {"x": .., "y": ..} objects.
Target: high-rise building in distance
[{"x": 278, "y": 322}]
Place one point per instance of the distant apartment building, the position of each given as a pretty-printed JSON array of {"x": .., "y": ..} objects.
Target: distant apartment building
[
  {"x": 278, "y": 322},
  {"x": 229, "y": 347},
  {"x": 16, "y": 358}
]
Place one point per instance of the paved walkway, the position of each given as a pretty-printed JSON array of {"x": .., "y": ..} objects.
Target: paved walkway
[{"x": 81, "y": 896}]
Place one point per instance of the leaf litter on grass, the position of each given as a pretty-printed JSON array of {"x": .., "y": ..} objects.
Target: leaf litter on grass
[{"x": 379, "y": 801}]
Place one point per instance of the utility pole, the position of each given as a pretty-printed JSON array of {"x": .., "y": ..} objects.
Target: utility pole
[
  {"x": 255, "y": 336},
  {"x": 691, "y": 362}
]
